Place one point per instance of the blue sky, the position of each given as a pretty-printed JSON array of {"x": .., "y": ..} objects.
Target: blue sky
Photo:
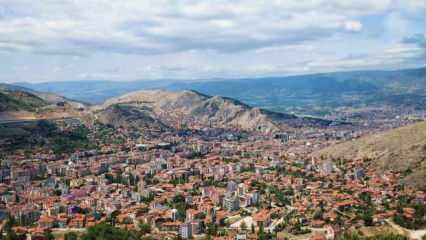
[{"x": 49, "y": 40}]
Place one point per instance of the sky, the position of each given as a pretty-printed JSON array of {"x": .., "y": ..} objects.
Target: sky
[{"x": 61, "y": 40}]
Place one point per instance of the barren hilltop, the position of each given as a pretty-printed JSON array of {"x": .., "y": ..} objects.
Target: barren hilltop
[{"x": 195, "y": 109}]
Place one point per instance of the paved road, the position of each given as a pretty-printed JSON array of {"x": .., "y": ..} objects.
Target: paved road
[{"x": 11, "y": 123}]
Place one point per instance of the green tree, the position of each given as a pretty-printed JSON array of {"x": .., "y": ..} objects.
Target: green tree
[
  {"x": 147, "y": 238},
  {"x": 366, "y": 198},
  {"x": 10, "y": 222},
  {"x": 367, "y": 217},
  {"x": 243, "y": 226},
  {"x": 107, "y": 232},
  {"x": 354, "y": 236},
  {"x": 211, "y": 229},
  {"x": 11, "y": 235},
  {"x": 261, "y": 235},
  {"x": 71, "y": 236},
  {"x": 145, "y": 228},
  {"x": 318, "y": 215},
  {"x": 49, "y": 236}
]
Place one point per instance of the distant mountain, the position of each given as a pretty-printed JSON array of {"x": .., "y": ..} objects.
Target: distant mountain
[
  {"x": 94, "y": 91},
  {"x": 307, "y": 94},
  {"x": 11, "y": 87},
  {"x": 402, "y": 149},
  {"x": 193, "y": 109},
  {"x": 312, "y": 94}
]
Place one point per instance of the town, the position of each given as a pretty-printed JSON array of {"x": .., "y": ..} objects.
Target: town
[
  {"x": 213, "y": 120},
  {"x": 206, "y": 183}
]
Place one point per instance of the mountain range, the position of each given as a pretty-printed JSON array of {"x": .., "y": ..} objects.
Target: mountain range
[
  {"x": 314, "y": 94},
  {"x": 151, "y": 109}
]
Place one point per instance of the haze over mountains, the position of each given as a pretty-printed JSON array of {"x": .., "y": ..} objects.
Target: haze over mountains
[{"x": 310, "y": 94}]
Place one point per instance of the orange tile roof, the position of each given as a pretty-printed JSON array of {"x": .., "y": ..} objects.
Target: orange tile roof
[
  {"x": 44, "y": 219},
  {"x": 262, "y": 215}
]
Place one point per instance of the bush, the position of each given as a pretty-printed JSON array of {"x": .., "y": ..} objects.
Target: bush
[
  {"x": 417, "y": 222},
  {"x": 70, "y": 236},
  {"x": 354, "y": 236},
  {"x": 145, "y": 228},
  {"x": 107, "y": 232}
]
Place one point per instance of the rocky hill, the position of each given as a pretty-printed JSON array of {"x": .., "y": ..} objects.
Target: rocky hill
[
  {"x": 198, "y": 110},
  {"x": 402, "y": 149},
  {"x": 127, "y": 116}
]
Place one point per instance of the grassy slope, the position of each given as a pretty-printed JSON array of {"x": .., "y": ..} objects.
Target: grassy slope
[
  {"x": 17, "y": 101},
  {"x": 399, "y": 149}
]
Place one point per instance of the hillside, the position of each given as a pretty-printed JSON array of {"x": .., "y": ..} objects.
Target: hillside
[
  {"x": 198, "y": 110},
  {"x": 399, "y": 149},
  {"x": 48, "y": 98},
  {"x": 18, "y": 103},
  {"x": 127, "y": 116},
  {"x": 305, "y": 94}
]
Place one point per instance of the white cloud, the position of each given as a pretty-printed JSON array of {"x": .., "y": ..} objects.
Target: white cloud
[
  {"x": 158, "y": 26},
  {"x": 192, "y": 38},
  {"x": 353, "y": 26}
]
